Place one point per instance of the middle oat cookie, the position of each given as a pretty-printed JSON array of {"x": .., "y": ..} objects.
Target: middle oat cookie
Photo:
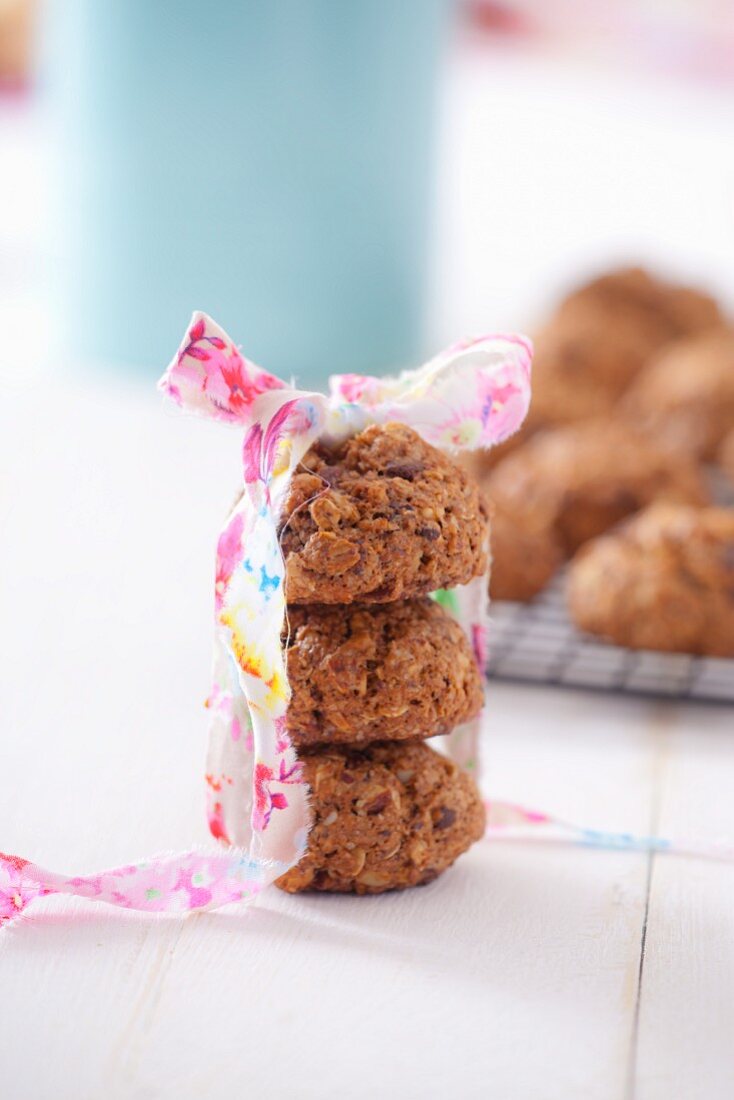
[{"x": 365, "y": 673}]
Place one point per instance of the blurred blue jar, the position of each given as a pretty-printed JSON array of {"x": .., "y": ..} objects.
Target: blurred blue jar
[{"x": 267, "y": 161}]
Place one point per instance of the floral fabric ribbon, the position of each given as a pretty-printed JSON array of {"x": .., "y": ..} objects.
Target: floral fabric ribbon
[{"x": 475, "y": 394}]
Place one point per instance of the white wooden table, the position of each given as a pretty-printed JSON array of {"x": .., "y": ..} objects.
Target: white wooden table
[{"x": 526, "y": 971}]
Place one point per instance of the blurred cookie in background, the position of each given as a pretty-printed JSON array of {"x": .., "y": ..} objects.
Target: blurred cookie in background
[
  {"x": 479, "y": 462},
  {"x": 685, "y": 396},
  {"x": 662, "y": 581},
  {"x": 602, "y": 335},
  {"x": 378, "y": 517},
  {"x": 666, "y": 310},
  {"x": 578, "y": 481},
  {"x": 17, "y": 45},
  {"x": 584, "y": 360},
  {"x": 656, "y": 351},
  {"x": 726, "y": 455},
  {"x": 524, "y": 559}
]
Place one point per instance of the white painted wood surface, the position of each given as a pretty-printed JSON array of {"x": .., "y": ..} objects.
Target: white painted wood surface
[{"x": 519, "y": 974}]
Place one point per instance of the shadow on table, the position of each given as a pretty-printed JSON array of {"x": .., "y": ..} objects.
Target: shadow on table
[{"x": 487, "y": 920}]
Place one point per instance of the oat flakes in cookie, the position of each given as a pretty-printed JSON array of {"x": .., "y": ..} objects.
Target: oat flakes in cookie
[
  {"x": 386, "y": 817},
  {"x": 381, "y": 517},
  {"x": 368, "y": 672}
]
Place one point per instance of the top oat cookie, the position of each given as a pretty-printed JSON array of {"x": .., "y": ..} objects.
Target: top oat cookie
[{"x": 383, "y": 516}]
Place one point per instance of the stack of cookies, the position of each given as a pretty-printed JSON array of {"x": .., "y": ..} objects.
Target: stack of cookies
[{"x": 375, "y": 667}]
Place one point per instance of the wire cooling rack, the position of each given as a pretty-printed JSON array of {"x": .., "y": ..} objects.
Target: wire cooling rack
[{"x": 537, "y": 643}]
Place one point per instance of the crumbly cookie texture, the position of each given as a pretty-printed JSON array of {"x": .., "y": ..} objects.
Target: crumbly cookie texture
[
  {"x": 523, "y": 558},
  {"x": 662, "y": 581},
  {"x": 685, "y": 397},
  {"x": 667, "y": 309},
  {"x": 381, "y": 517},
  {"x": 385, "y": 817},
  {"x": 578, "y": 481},
  {"x": 371, "y": 672}
]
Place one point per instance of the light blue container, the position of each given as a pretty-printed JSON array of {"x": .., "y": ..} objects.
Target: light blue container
[{"x": 268, "y": 161}]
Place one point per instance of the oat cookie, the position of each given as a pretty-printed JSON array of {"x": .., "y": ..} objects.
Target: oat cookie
[
  {"x": 667, "y": 310},
  {"x": 662, "y": 581},
  {"x": 725, "y": 456},
  {"x": 523, "y": 558},
  {"x": 385, "y": 817},
  {"x": 381, "y": 517},
  {"x": 584, "y": 360},
  {"x": 369, "y": 672},
  {"x": 685, "y": 397},
  {"x": 579, "y": 480}
]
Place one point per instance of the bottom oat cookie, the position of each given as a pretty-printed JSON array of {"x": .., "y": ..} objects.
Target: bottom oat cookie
[
  {"x": 662, "y": 581},
  {"x": 385, "y": 817}
]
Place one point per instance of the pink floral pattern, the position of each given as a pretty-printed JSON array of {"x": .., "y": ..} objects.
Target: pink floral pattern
[
  {"x": 229, "y": 555},
  {"x": 475, "y": 394},
  {"x": 211, "y": 377},
  {"x": 267, "y": 798},
  {"x": 165, "y": 884}
]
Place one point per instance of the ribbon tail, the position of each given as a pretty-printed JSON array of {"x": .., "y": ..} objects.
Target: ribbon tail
[
  {"x": 509, "y": 821},
  {"x": 169, "y": 883}
]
